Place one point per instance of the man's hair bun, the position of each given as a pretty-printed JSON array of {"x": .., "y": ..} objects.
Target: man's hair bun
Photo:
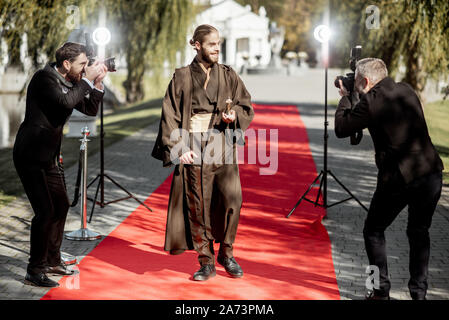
[{"x": 200, "y": 32}]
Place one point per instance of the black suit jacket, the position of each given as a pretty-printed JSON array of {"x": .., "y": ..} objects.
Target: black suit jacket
[
  {"x": 394, "y": 117},
  {"x": 49, "y": 103}
]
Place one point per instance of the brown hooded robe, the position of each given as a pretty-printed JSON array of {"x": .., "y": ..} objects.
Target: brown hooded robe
[{"x": 176, "y": 113}]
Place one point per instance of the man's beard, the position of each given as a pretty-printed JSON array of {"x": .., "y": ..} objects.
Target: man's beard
[
  {"x": 206, "y": 57},
  {"x": 74, "y": 77}
]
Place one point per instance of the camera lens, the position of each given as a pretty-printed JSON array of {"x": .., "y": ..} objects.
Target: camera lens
[
  {"x": 110, "y": 64},
  {"x": 336, "y": 82}
]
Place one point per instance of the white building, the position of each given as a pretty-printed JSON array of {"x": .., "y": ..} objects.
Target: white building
[{"x": 244, "y": 34}]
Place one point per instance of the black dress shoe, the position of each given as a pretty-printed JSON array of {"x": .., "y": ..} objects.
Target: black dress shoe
[
  {"x": 40, "y": 280},
  {"x": 61, "y": 269},
  {"x": 371, "y": 295},
  {"x": 231, "y": 266},
  {"x": 418, "y": 296},
  {"x": 207, "y": 271}
]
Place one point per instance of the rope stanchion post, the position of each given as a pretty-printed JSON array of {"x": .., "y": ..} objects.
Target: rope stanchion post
[{"x": 84, "y": 233}]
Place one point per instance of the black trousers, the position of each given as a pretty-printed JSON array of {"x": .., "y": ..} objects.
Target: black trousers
[
  {"x": 421, "y": 196},
  {"x": 46, "y": 191}
]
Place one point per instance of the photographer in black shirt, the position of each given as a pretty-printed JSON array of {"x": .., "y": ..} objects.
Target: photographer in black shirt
[
  {"x": 410, "y": 170},
  {"x": 52, "y": 94}
]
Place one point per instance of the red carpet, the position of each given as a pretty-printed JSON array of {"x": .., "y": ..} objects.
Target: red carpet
[{"x": 282, "y": 258}]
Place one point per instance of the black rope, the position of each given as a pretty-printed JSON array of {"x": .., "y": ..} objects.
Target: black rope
[{"x": 76, "y": 196}]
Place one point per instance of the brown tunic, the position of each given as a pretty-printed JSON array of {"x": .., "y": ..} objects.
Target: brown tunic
[
  {"x": 176, "y": 113},
  {"x": 205, "y": 87}
]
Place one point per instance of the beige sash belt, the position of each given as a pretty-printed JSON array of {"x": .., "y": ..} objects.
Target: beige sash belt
[{"x": 200, "y": 122}]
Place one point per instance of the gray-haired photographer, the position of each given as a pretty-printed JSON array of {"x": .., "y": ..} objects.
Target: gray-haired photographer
[
  {"x": 52, "y": 94},
  {"x": 409, "y": 168}
]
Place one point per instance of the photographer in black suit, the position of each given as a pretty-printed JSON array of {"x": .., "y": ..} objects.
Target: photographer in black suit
[
  {"x": 410, "y": 170},
  {"x": 52, "y": 94}
]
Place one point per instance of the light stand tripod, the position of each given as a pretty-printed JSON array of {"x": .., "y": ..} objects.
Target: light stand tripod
[
  {"x": 100, "y": 177},
  {"x": 323, "y": 174}
]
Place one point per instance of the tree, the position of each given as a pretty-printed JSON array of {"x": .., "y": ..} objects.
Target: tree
[
  {"x": 299, "y": 18},
  {"x": 151, "y": 32},
  {"x": 43, "y": 22}
]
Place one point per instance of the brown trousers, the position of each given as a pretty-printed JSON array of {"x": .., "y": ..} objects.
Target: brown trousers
[{"x": 214, "y": 199}]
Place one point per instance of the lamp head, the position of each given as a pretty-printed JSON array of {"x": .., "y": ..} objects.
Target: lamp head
[
  {"x": 322, "y": 33},
  {"x": 101, "y": 36}
]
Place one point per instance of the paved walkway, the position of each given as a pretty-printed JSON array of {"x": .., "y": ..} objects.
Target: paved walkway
[{"x": 129, "y": 162}]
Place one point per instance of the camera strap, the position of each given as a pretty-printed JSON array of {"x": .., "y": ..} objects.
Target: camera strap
[
  {"x": 356, "y": 138},
  {"x": 78, "y": 181}
]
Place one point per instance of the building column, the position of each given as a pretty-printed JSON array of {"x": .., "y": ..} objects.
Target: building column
[
  {"x": 231, "y": 50},
  {"x": 4, "y": 126}
]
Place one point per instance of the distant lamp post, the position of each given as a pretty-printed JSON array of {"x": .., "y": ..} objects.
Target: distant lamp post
[
  {"x": 292, "y": 60},
  {"x": 302, "y": 59}
]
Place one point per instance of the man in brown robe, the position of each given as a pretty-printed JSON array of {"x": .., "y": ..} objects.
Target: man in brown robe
[{"x": 203, "y": 103}]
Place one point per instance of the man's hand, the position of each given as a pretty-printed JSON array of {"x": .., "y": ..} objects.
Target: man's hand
[
  {"x": 98, "y": 80},
  {"x": 342, "y": 90},
  {"x": 93, "y": 71},
  {"x": 187, "y": 158},
  {"x": 228, "y": 118}
]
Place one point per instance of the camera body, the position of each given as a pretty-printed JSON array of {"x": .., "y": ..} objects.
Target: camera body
[
  {"x": 349, "y": 80},
  {"x": 109, "y": 63},
  {"x": 90, "y": 53}
]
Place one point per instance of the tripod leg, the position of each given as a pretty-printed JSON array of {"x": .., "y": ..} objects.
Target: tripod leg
[
  {"x": 304, "y": 194},
  {"x": 92, "y": 181},
  {"x": 129, "y": 193},
  {"x": 347, "y": 190},
  {"x": 319, "y": 192},
  {"x": 94, "y": 202}
]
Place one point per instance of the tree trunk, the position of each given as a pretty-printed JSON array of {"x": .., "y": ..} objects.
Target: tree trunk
[
  {"x": 134, "y": 81},
  {"x": 134, "y": 89},
  {"x": 413, "y": 75}
]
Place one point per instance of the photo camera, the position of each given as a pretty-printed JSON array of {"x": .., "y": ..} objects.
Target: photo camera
[
  {"x": 90, "y": 53},
  {"x": 348, "y": 82}
]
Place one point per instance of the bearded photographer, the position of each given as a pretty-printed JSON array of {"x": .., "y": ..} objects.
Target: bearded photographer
[
  {"x": 52, "y": 94},
  {"x": 410, "y": 170}
]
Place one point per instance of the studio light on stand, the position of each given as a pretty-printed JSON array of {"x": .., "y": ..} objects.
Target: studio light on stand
[
  {"x": 322, "y": 34},
  {"x": 101, "y": 37}
]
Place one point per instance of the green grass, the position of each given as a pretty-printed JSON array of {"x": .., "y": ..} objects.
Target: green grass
[
  {"x": 437, "y": 118},
  {"x": 153, "y": 88},
  {"x": 117, "y": 126}
]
